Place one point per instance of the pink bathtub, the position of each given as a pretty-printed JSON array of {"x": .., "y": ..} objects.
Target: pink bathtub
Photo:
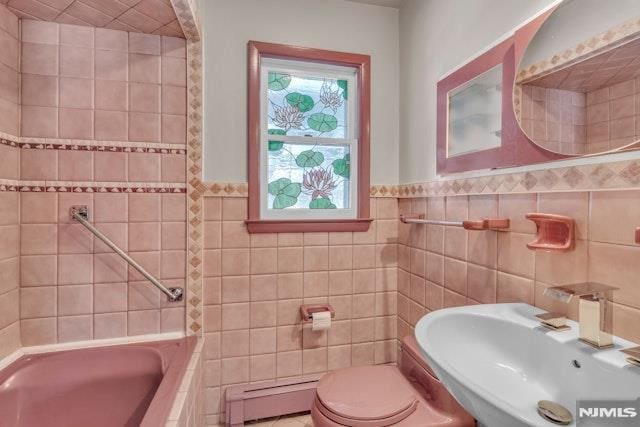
[{"x": 124, "y": 385}]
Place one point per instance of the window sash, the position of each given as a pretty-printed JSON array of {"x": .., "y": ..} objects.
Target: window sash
[{"x": 308, "y": 69}]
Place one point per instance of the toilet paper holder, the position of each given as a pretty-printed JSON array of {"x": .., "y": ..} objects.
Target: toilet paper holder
[{"x": 307, "y": 310}]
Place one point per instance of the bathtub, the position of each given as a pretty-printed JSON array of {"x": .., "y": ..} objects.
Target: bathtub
[{"x": 121, "y": 385}]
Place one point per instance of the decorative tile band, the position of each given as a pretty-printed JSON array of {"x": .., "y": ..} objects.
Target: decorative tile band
[
  {"x": 595, "y": 177},
  {"x": 89, "y": 187},
  {"x": 90, "y": 145},
  {"x": 595, "y": 44}
]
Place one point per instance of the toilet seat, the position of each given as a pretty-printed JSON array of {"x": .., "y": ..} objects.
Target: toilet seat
[{"x": 366, "y": 396}]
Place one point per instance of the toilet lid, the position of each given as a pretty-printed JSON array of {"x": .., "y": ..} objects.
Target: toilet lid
[{"x": 367, "y": 393}]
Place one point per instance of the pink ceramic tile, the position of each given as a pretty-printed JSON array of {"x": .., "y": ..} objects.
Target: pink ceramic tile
[
  {"x": 76, "y": 93},
  {"x": 144, "y": 236},
  {"x": 11, "y": 49},
  {"x": 111, "y": 95},
  {"x": 143, "y": 322},
  {"x": 144, "y": 127},
  {"x": 174, "y": 71},
  {"x": 9, "y": 208},
  {"x": 38, "y": 208},
  {"x": 144, "y": 68},
  {"x": 173, "y": 265},
  {"x": 73, "y": 300},
  {"x": 75, "y": 123},
  {"x": 110, "y": 207},
  {"x": 173, "y": 168},
  {"x": 76, "y": 35},
  {"x": 76, "y": 62},
  {"x": 139, "y": 21},
  {"x": 109, "y": 325},
  {"x": 38, "y": 302},
  {"x": 109, "y": 166},
  {"x": 88, "y": 14},
  {"x": 144, "y": 97},
  {"x": 9, "y": 117},
  {"x": 109, "y": 268},
  {"x": 174, "y": 129},
  {"x": 141, "y": 296},
  {"x": 39, "y": 90},
  {"x": 10, "y": 236},
  {"x": 39, "y": 164},
  {"x": 174, "y": 46},
  {"x": 172, "y": 319},
  {"x": 111, "y": 40},
  {"x": 144, "y": 207},
  {"x": 38, "y": 239},
  {"x": 111, "y": 65},
  {"x": 174, "y": 207},
  {"x": 174, "y": 100},
  {"x": 116, "y": 232},
  {"x": 111, "y": 126},
  {"x": 39, "y": 122},
  {"x": 110, "y": 297},
  {"x": 74, "y": 269},
  {"x": 9, "y": 22},
  {"x": 39, "y": 32},
  {"x": 9, "y": 84},
  {"x": 174, "y": 235},
  {"x": 158, "y": 10},
  {"x": 9, "y": 162},
  {"x": 144, "y": 167},
  {"x": 39, "y": 59},
  {"x": 38, "y": 331},
  {"x": 75, "y": 328},
  {"x": 74, "y": 239},
  {"x": 38, "y": 270},
  {"x": 144, "y": 43}
]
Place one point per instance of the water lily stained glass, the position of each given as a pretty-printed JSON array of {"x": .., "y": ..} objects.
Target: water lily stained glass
[
  {"x": 304, "y": 176},
  {"x": 307, "y": 106}
]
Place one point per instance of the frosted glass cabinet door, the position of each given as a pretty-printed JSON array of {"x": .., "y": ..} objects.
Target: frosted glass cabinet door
[{"x": 474, "y": 114}]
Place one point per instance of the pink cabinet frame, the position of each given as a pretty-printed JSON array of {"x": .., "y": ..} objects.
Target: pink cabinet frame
[{"x": 516, "y": 149}]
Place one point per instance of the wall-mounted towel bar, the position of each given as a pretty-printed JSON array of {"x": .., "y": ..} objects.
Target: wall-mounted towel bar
[
  {"x": 483, "y": 224},
  {"x": 81, "y": 214}
]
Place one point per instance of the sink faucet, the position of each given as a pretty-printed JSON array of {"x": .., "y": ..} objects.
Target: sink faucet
[{"x": 594, "y": 314}]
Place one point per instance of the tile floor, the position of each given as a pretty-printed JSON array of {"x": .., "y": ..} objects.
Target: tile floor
[{"x": 295, "y": 420}]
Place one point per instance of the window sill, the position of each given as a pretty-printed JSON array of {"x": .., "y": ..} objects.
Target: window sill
[{"x": 309, "y": 225}]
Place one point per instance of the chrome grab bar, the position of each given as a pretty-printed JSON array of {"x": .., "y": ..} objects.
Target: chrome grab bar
[{"x": 81, "y": 214}]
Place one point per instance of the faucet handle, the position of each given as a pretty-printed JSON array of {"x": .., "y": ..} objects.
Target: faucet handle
[{"x": 555, "y": 321}]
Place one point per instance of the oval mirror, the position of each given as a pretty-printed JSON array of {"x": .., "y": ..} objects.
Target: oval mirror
[{"x": 577, "y": 89}]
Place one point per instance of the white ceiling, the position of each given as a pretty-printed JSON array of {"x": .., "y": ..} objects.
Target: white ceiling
[{"x": 388, "y": 3}]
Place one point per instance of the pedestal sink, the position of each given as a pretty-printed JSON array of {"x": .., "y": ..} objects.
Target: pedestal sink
[{"x": 498, "y": 362}]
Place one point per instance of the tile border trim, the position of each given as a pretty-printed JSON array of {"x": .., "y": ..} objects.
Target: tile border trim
[{"x": 90, "y": 145}]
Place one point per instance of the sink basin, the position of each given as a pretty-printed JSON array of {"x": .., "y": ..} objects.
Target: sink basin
[{"x": 498, "y": 362}]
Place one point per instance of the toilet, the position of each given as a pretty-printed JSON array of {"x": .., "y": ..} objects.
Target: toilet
[{"x": 407, "y": 395}]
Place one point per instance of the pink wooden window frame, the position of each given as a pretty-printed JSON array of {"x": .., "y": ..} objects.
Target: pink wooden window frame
[{"x": 362, "y": 64}]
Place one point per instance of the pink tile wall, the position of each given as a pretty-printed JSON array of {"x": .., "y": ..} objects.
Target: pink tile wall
[
  {"x": 444, "y": 267},
  {"x": 613, "y": 115},
  {"x": 75, "y": 288},
  {"x": 9, "y": 272},
  {"x": 254, "y": 286},
  {"x": 9, "y": 72},
  {"x": 555, "y": 118},
  {"x": 9, "y": 201},
  {"x": 109, "y": 85}
]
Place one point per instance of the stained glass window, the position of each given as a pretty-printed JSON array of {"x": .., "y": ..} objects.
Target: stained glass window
[{"x": 309, "y": 141}]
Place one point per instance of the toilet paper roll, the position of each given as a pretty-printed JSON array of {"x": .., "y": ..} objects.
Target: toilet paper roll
[{"x": 321, "y": 320}]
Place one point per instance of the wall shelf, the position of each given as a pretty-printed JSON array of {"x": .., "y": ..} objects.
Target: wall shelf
[{"x": 554, "y": 232}]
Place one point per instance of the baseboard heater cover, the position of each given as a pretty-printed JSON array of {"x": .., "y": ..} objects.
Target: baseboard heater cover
[{"x": 269, "y": 399}]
